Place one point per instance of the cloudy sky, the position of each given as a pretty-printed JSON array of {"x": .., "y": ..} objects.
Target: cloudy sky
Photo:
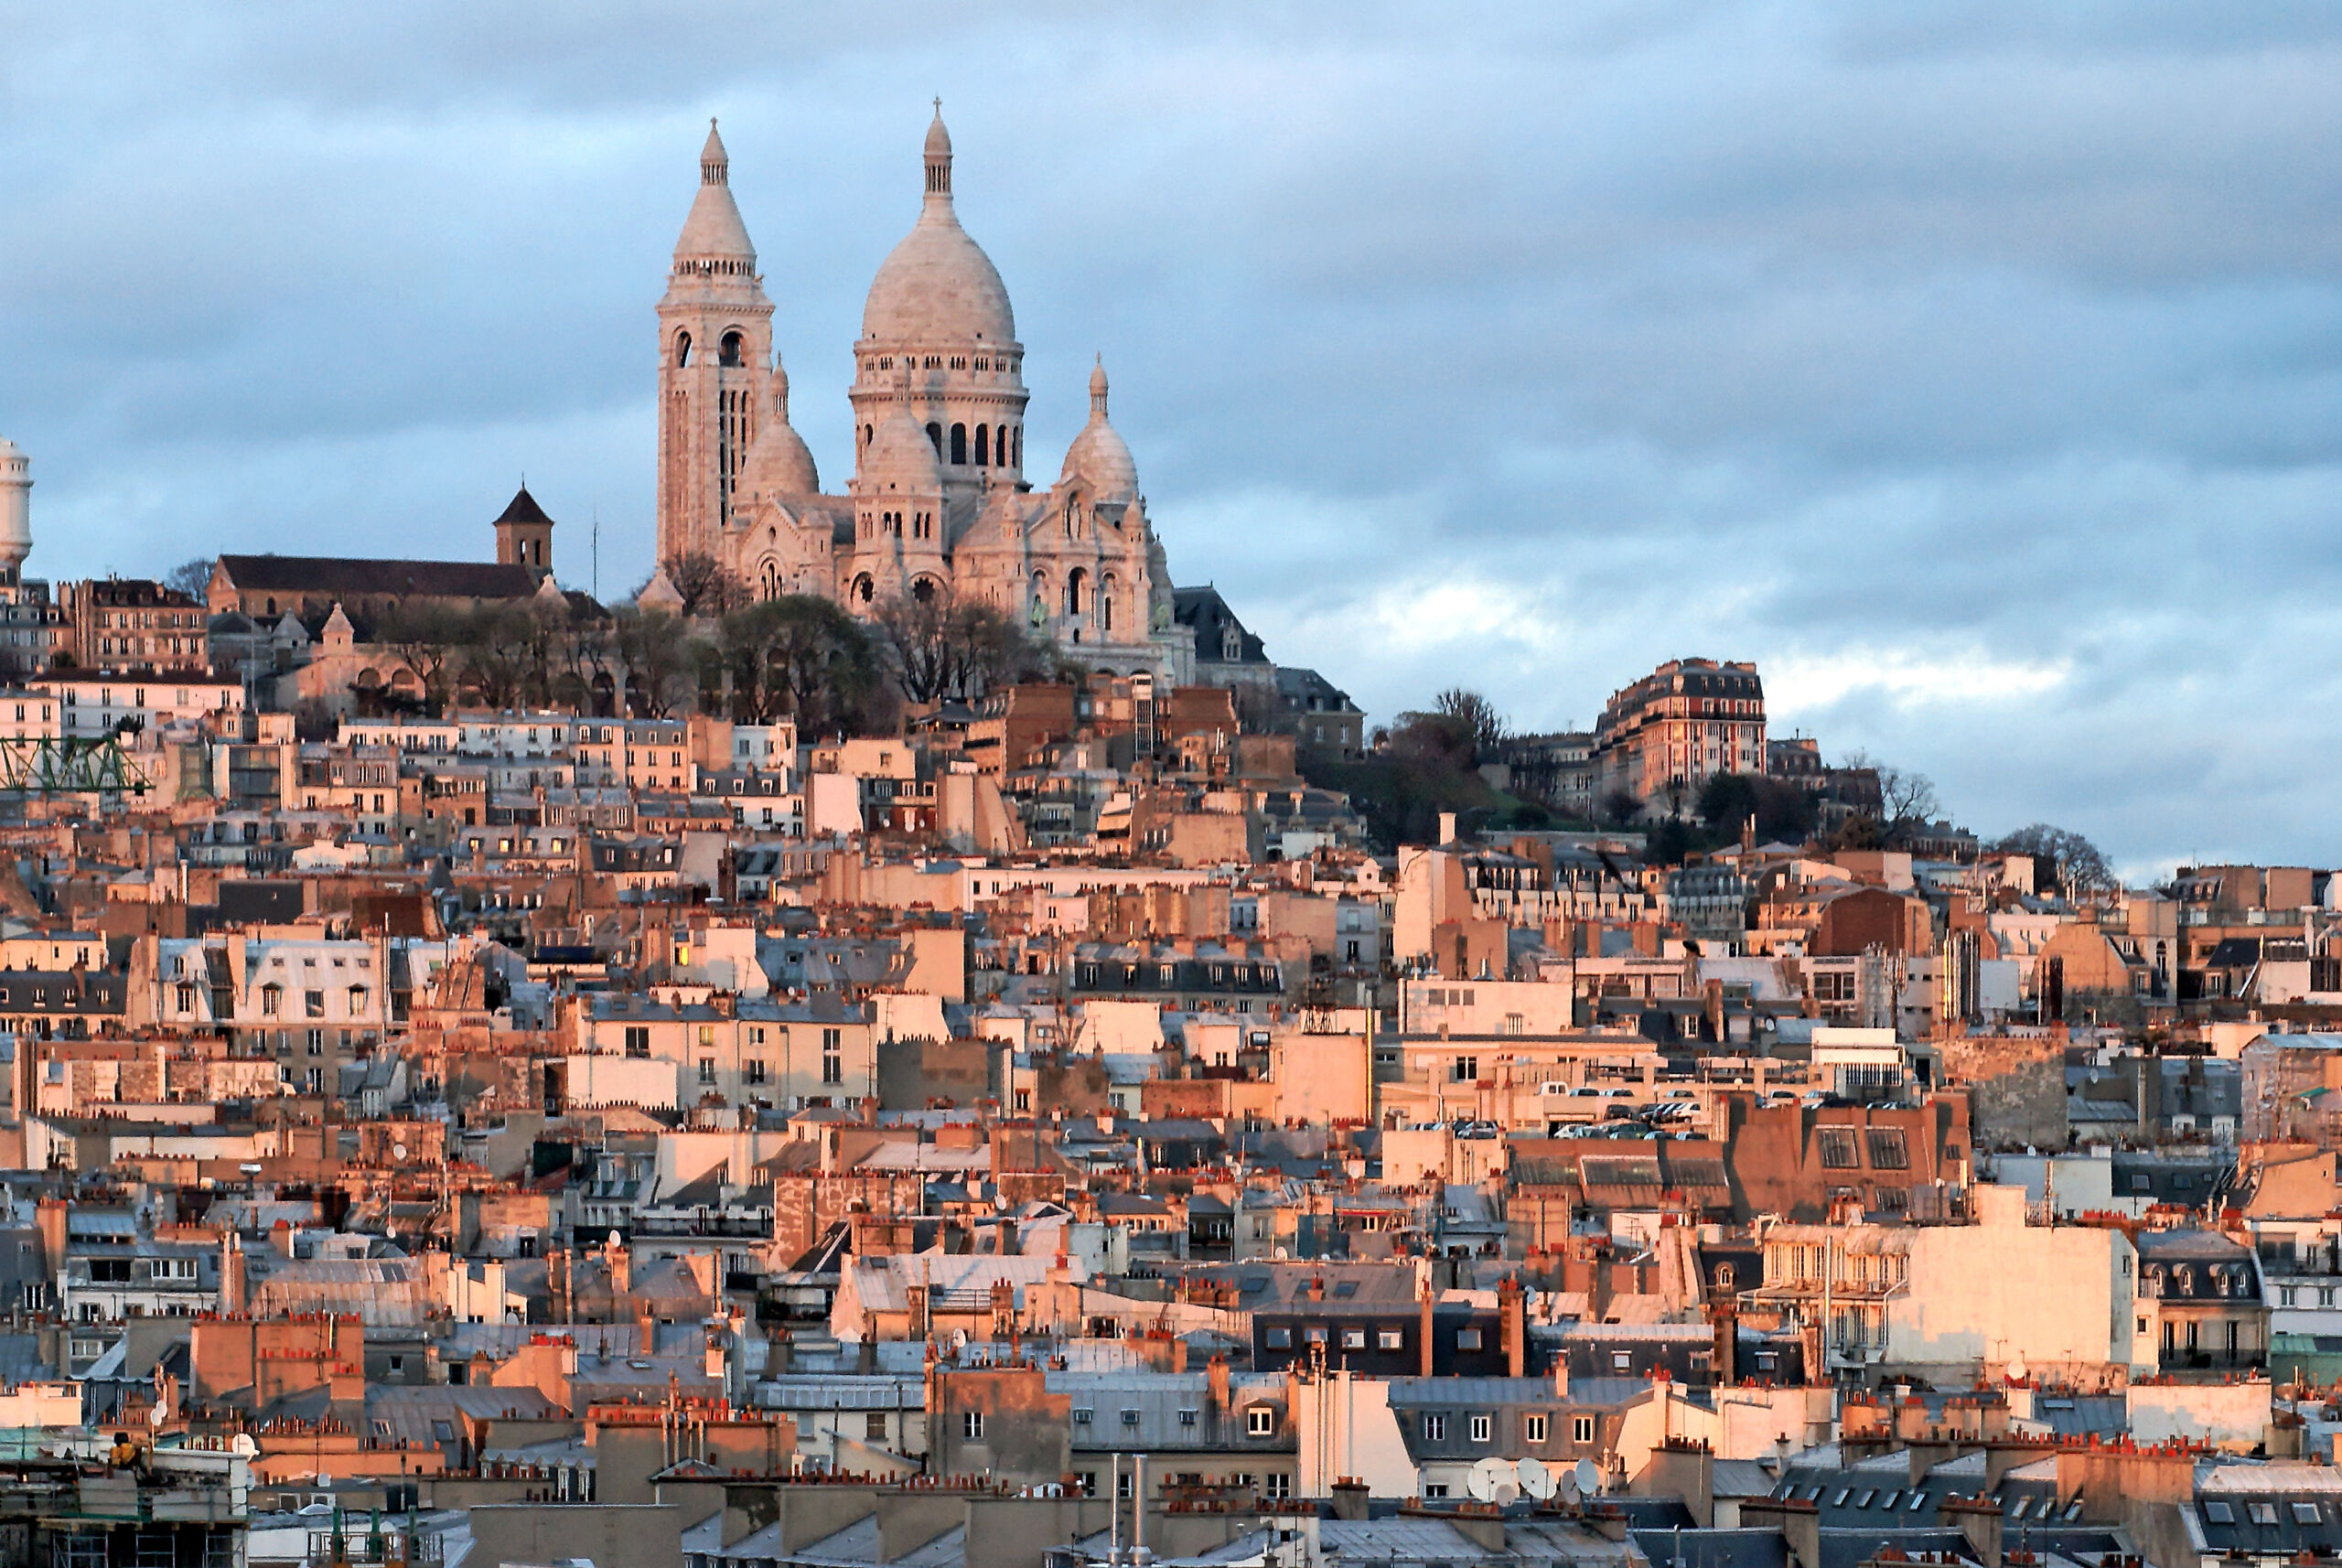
[{"x": 1975, "y": 368}]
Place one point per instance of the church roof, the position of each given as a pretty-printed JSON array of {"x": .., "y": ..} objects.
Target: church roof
[
  {"x": 524, "y": 507},
  {"x": 336, "y": 577},
  {"x": 937, "y": 286}
]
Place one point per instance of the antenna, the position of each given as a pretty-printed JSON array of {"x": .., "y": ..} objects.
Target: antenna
[{"x": 597, "y": 551}]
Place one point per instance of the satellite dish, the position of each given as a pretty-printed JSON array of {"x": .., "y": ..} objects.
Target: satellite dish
[
  {"x": 1507, "y": 1492},
  {"x": 156, "y": 1415},
  {"x": 2017, "y": 1369},
  {"x": 244, "y": 1445},
  {"x": 1568, "y": 1485},
  {"x": 1484, "y": 1477},
  {"x": 1588, "y": 1478},
  {"x": 398, "y": 1151},
  {"x": 1536, "y": 1479}
]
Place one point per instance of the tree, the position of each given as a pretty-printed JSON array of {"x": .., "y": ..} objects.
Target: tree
[
  {"x": 942, "y": 647},
  {"x": 1479, "y": 716},
  {"x": 1621, "y": 807},
  {"x": 1727, "y": 801},
  {"x": 708, "y": 589},
  {"x": 2075, "y": 866},
  {"x": 654, "y": 647},
  {"x": 425, "y": 635},
  {"x": 191, "y": 577},
  {"x": 1907, "y": 801}
]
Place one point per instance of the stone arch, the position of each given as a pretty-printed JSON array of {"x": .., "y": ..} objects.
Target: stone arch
[
  {"x": 730, "y": 352},
  {"x": 959, "y": 446},
  {"x": 682, "y": 350}
]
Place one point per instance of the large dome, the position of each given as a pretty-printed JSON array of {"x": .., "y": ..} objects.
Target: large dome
[
  {"x": 713, "y": 230},
  {"x": 937, "y": 286}
]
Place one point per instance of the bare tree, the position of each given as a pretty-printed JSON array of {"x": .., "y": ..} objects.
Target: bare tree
[
  {"x": 1907, "y": 801},
  {"x": 654, "y": 647},
  {"x": 942, "y": 647},
  {"x": 708, "y": 589},
  {"x": 424, "y": 636},
  {"x": 191, "y": 577},
  {"x": 2075, "y": 864}
]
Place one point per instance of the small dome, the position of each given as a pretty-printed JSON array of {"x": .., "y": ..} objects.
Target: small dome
[
  {"x": 937, "y": 286},
  {"x": 900, "y": 457},
  {"x": 1099, "y": 454},
  {"x": 780, "y": 463}
]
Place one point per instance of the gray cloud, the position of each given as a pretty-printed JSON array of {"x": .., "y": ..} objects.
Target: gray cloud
[{"x": 1977, "y": 369}]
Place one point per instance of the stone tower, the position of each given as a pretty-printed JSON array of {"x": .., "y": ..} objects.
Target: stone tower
[
  {"x": 714, "y": 365},
  {"x": 15, "y": 512},
  {"x": 524, "y": 534}
]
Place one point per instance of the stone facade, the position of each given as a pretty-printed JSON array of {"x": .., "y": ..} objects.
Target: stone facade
[{"x": 937, "y": 503}]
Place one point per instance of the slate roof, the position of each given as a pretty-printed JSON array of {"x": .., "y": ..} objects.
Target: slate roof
[{"x": 341, "y": 577}]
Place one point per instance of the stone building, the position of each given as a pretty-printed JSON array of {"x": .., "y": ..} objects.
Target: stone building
[{"x": 937, "y": 502}]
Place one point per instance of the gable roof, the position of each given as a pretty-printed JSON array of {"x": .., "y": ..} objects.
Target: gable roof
[{"x": 334, "y": 576}]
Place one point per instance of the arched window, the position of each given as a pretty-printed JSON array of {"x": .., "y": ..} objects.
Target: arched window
[
  {"x": 869, "y": 433},
  {"x": 959, "y": 444},
  {"x": 1040, "y": 596},
  {"x": 1072, "y": 516},
  {"x": 984, "y": 445},
  {"x": 1075, "y": 581},
  {"x": 924, "y": 590},
  {"x": 682, "y": 350},
  {"x": 999, "y": 446},
  {"x": 1106, "y": 602},
  {"x": 863, "y": 588},
  {"x": 728, "y": 353},
  {"x": 1018, "y": 459},
  {"x": 935, "y": 438}
]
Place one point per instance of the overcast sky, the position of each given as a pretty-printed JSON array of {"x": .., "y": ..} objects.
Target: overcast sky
[{"x": 1975, "y": 368}]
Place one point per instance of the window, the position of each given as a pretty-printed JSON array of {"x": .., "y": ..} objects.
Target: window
[
  {"x": 1434, "y": 1429},
  {"x": 1838, "y": 1151},
  {"x": 2261, "y": 1513},
  {"x": 972, "y": 1425},
  {"x": 638, "y": 1040},
  {"x": 2220, "y": 1512},
  {"x": 755, "y": 1070},
  {"x": 1468, "y": 1340},
  {"x": 1353, "y": 1338},
  {"x": 1186, "y": 1418},
  {"x": 1887, "y": 1150},
  {"x": 1464, "y": 1070},
  {"x": 1622, "y": 1361},
  {"x": 1532, "y": 1429},
  {"x": 1480, "y": 1428},
  {"x": 1279, "y": 1339},
  {"x": 1392, "y": 1339},
  {"x": 707, "y": 1070},
  {"x": 1130, "y": 1418},
  {"x": 1581, "y": 1429},
  {"x": 874, "y": 1426},
  {"x": 1081, "y": 1417},
  {"x": 1280, "y": 1487}
]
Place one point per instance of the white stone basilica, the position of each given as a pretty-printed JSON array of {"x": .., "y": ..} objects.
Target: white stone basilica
[{"x": 939, "y": 503}]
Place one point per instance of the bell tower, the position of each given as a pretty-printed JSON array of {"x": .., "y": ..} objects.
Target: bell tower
[
  {"x": 524, "y": 535},
  {"x": 714, "y": 365}
]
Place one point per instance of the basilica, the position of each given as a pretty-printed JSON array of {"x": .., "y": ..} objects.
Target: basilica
[{"x": 937, "y": 502}]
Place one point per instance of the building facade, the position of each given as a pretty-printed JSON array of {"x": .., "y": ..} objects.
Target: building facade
[{"x": 1662, "y": 737}]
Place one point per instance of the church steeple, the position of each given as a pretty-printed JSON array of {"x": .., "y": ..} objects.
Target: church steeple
[{"x": 715, "y": 364}]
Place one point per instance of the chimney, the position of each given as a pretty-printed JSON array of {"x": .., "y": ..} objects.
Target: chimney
[
  {"x": 1218, "y": 1373},
  {"x": 1980, "y": 1521},
  {"x": 1423, "y": 1335},
  {"x": 620, "y": 1260},
  {"x": 1799, "y": 1521},
  {"x": 918, "y": 1297},
  {"x": 1513, "y": 1327},
  {"x": 1446, "y": 827},
  {"x": 1351, "y": 1496},
  {"x": 1724, "y": 1311}
]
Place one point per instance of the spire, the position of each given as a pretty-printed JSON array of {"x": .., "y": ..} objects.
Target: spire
[
  {"x": 1098, "y": 389},
  {"x": 714, "y": 163},
  {"x": 939, "y": 158},
  {"x": 780, "y": 386}
]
